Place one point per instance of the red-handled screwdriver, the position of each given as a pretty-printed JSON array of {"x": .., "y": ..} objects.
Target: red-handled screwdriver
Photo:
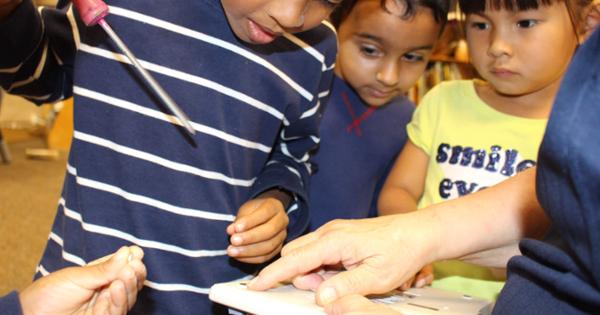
[{"x": 92, "y": 12}]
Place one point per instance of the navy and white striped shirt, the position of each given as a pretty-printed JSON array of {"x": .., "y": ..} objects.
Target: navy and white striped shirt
[{"x": 134, "y": 176}]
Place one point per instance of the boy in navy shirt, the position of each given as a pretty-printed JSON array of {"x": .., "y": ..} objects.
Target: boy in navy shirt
[{"x": 250, "y": 74}]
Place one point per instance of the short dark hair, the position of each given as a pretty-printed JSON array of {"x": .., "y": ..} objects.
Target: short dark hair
[
  {"x": 438, "y": 7},
  {"x": 575, "y": 7}
]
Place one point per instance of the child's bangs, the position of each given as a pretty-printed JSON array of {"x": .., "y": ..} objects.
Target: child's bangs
[{"x": 470, "y": 6}]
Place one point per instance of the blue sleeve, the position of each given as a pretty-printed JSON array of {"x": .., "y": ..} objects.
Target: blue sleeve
[
  {"x": 289, "y": 167},
  {"x": 38, "y": 49},
  {"x": 10, "y": 304}
]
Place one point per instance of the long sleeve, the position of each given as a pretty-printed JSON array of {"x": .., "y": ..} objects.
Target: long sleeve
[
  {"x": 38, "y": 52},
  {"x": 289, "y": 167}
]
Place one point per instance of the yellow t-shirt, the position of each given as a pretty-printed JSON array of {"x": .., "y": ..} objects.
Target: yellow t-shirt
[{"x": 470, "y": 146}]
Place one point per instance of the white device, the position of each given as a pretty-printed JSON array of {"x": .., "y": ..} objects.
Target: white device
[{"x": 286, "y": 299}]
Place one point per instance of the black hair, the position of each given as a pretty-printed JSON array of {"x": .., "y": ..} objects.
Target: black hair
[
  {"x": 576, "y": 7},
  {"x": 438, "y": 7}
]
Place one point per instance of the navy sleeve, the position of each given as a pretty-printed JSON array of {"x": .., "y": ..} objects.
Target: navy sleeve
[
  {"x": 289, "y": 167},
  {"x": 38, "y": 49},
  {"x": 10, "y": 304}
]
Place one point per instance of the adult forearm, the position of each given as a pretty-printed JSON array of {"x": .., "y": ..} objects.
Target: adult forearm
[
  {"x": 489, "y": 219},
  {"x": 495, "y": 258},
  {"x": 7, "y": 6}
]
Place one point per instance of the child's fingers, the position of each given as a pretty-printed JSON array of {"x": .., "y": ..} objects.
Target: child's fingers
[
  {"x": 260, "y": 248},
  {"x": 262, "y": 232},
  {"x": 119, "y": 299},
  {"x": 261, "y": 211},
  {"x": 101, "y": 306},
  {"x": 129, "y": 279},
  {"x": 423, "y": 280},
  {"x": 136, "y": 252},
  {"x": 258, "y": 253},
  {"x": 140, "y": 273},
  {"x": 424, "y": 277},
  {"x": 259, "y": 259},
  {"x": 247, "y": 219}
]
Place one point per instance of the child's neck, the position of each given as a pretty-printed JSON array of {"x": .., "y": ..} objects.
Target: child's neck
[{"x": 535, "y": 105}]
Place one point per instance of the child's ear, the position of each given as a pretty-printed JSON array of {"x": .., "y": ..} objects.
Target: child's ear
[{"x": 592, "y": 19}]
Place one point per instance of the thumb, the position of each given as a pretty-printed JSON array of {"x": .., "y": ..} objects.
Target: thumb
[
  {"x": 360, "y": 280},
  {"x": 102, "y": 273}
]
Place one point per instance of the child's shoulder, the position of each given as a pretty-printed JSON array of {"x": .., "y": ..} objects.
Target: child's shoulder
[
  {"x": 451, "y": 90},
  {"x": 321, "y": 39},
  {"x": 453, "y": 86},
  {"x": 449, "y": 94}
]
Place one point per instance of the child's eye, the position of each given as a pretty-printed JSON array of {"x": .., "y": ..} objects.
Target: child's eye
[
  {"x": 332, "y": 3},
  {"x": 412, "y": 57},
  {"x": 480, "y": 25},
  {"x": 370, "y": 51},
  {"x": 527, "y": 23}
]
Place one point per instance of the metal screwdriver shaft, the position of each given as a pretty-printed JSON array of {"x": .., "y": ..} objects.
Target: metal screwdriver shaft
[{"x": 93, "y": 12}]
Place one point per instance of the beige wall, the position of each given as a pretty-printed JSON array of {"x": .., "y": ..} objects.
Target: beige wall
[{"x": 45, "y": 2}]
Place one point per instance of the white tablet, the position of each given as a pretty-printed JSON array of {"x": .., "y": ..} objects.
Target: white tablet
[{"x": 288, "y": 300}]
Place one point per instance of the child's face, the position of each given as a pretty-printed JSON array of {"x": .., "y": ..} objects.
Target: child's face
[
  {"x": 261, "y": 21},
  {"x": 380, "y": 54},
  {"x": 521, "y": 52}
]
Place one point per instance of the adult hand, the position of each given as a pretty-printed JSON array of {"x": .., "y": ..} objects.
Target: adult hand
[
  {"x": 382, "y": 253},
  {"x": 260, "y": 228},
  {"x": 108, "y": 286},
  {"x": 378, "y": 254}
]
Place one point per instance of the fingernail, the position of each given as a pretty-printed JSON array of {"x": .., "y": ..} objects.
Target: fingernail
[
  {"x": 233, "y": 251},
  {"x": 420, "y": 283},
  {"x": 239, "y": 227},
  {"x": 328, "y": 295},
  {"x": 236, "y": 240}
]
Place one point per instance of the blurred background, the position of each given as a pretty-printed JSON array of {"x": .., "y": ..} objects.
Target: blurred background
[{"x": 34, "y": 145}]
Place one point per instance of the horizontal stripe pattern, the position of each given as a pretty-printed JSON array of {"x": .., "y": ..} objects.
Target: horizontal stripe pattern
[{"x": 135, "y": 178}]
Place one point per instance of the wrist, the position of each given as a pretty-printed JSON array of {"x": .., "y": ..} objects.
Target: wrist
[
  {"x": 7, "y": 7},
  {"x": 284, "y": 196},
  {"x": 427, "y": 236}
]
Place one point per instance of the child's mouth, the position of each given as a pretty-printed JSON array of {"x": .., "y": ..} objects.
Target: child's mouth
[{"x": 260, "y": 35}]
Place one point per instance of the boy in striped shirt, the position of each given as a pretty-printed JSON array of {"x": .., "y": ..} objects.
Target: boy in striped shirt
[{"x": 250, "y": 74}]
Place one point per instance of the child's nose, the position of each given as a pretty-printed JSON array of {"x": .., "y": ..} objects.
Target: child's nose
[
  {"x": 499, "y": 45},
  {"x": 289, "y": 14},
  {"x": 388, "y": 75}
]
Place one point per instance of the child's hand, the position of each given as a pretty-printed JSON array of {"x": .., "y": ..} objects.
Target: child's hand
[
  {"x": 106, "y": 286},
  {"x": 258, "y": 232},
  {"x": 422, "y": 278}
]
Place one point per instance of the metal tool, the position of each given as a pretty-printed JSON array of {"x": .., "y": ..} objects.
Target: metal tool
[{"x": 93, "y": 12}]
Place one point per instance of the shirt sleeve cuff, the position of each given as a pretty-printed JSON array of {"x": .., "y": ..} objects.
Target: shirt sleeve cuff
[
  {"x": 277, "y": 175},
  {"x": 23, "y": 23}
]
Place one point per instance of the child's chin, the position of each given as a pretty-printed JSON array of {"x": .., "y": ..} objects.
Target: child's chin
[{"x": 376, "y": 102}]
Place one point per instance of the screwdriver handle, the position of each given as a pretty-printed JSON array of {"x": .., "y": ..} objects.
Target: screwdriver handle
[{"x": 91, "y": 11}]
